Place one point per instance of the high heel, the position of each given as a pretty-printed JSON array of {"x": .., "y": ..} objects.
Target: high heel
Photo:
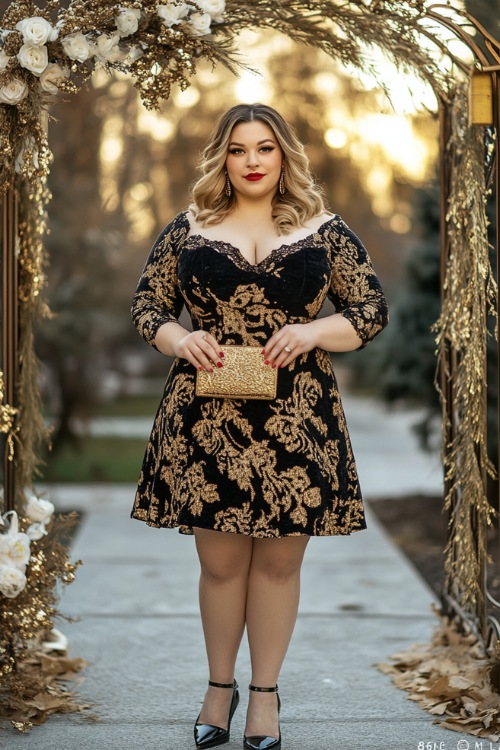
[
  {"x": 207, "y": 735},
  {"x": 262, "y": 742}
]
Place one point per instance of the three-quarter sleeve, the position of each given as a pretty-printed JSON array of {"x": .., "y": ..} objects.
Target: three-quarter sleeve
[
  {"x": 158, "y": 299},
  {"x": 354, "y": 287}
]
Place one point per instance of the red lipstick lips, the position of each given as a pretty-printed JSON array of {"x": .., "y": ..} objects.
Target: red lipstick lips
[{"x": 253, "y": 176}]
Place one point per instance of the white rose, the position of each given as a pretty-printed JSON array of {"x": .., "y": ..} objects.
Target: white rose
[
  {"x": 200, "y": 24},
  {"x": 12, "y": 581},
  {"x": 127, "y": 21},
  {"x": 215, "y": 8},
  {"x": 106, "y": 48},
  {"x": 17, "y": 552},
  {"x": 33, "y": 58},
  {"x": 52, "y": 76},
  {"x": 4, "y": 59},
  {"x": 172, "y": 14},
  {"x": 13, "y": 92},
  {"x": 14, "y": 545},
  {"x": 38, "y": 509},
  {"x": 36, "y": 531},
  {"x": 37, "y": 30},
  {"x": 76, "y": 46}
]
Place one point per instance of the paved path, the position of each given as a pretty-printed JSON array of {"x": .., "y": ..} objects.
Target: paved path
[{"x": 136, "y": 597}]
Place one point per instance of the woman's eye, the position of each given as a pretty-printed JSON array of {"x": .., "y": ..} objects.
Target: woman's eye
[{"x": 240, "y": 150}]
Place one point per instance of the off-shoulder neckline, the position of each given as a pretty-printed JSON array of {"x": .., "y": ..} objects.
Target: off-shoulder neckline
[{"x": 274, "y": 251}]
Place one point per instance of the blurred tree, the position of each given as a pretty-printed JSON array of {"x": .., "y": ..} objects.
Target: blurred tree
[
  {"x": 406, "y": 358},
  {"x": 78, "y": 342}
]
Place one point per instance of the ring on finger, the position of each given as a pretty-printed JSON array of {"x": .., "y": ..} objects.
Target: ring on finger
[{"x": 287, "y": 349}]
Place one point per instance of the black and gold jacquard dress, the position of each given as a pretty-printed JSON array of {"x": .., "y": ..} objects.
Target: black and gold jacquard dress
[{"x": 264, "y": 468}]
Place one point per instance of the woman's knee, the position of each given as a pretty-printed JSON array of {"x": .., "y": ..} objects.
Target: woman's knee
[
  {"x": 278, "y": 560},
  {"x": 223, "y": 557}
]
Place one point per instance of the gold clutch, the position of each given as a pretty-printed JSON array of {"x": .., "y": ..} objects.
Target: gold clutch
[{"x": 243, "y": 375}]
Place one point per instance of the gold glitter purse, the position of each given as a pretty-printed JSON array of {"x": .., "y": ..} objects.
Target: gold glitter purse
[{"x": 243, "y": 375}]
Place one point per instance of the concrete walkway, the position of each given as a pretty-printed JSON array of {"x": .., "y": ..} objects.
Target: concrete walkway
[{"x": 136, "y": 597}]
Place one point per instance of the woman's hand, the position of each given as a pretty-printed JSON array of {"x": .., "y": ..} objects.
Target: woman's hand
[
  {"x": 299, "y": 338},
  {"x": 201, "y": 349}
]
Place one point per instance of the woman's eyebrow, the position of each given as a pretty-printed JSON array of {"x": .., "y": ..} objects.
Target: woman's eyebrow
[{"x": 233, "y": 143}]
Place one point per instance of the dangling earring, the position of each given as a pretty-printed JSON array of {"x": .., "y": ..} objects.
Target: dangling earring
[
  {"x": 282, "y": 187},
  {"x": 229, "y": 187}
]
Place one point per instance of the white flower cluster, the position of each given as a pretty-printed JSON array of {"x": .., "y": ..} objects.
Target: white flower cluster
[
  {"x": 15, "y": 545},
  {"x": 33, "y": 56},
  {"x": 37, "y": 32},
  {"x": 197, "y": 23}
]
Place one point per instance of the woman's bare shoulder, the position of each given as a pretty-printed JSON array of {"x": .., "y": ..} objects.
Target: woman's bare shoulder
[
  {"x": 194, "y": 225},
  {"x": 318, "y": 221}
]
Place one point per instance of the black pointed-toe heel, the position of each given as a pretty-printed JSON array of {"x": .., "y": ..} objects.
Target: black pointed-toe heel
[
  {"x": 207, "y": 735},
  {"x": 261, "y": 742}
]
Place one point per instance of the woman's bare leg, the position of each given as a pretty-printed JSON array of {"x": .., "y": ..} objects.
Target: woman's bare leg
[
  {"x": 225, "y": 561},
  {"x": 271, "y": 612}
]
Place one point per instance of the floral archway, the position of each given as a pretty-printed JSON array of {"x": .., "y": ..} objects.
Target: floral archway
[{"x": 51, "y": 51}]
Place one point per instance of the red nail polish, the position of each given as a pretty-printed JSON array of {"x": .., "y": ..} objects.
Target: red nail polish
[
  {"x": 221, "y": 354},
  {"x": 210, "y": 369},
  {"x": 201, "y": 368},
  {"x": 266, "y": 362},
  {"x": 282, "y": 365},
  {"x": 263, "y": 351},
  {"x": 219, "y": 364},
  {"x": 274, "y": 364}
]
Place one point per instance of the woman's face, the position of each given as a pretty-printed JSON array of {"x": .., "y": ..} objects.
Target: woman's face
[{"x": 254, "y": 159}]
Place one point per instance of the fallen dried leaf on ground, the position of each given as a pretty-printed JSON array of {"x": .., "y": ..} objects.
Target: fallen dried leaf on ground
[
  {"x": 450, "y": 677},
  {"x": 36, "y": 690}
]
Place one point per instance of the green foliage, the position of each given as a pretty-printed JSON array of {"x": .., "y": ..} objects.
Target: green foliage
[
  {"x": 402, "y": 365},
  {"x": 97, "y": 459},
  {"x": 409, "y": 361}
]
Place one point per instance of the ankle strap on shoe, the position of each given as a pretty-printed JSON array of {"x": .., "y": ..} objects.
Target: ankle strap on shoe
[
  {"x": 263, "y": 689},
  {"x": 233, "y": 684}
]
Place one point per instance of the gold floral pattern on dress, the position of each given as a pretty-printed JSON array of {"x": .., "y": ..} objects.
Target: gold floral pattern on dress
[
  {"x": 158, "y": 299},
  {"x": 245, "y": 311},
  {"x": 354, "y": 289},
  {"x": 283, "y": 467},
  {"x": 289, "y": 425},
  {"x": 224, "y": 434},
  {"x": 195, "y": 491}
]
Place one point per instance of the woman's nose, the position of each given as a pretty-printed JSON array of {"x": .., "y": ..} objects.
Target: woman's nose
[{"x": 252, "y": 158}]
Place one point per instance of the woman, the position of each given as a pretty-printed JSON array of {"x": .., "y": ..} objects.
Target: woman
[{"x": 253, "y": 259}]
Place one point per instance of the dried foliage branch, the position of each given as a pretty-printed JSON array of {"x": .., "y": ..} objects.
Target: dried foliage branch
[{"x": 470, "y": 294}]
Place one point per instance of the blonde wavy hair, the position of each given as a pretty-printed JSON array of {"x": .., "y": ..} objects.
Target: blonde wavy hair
[{"x": 302, "y": 199}]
